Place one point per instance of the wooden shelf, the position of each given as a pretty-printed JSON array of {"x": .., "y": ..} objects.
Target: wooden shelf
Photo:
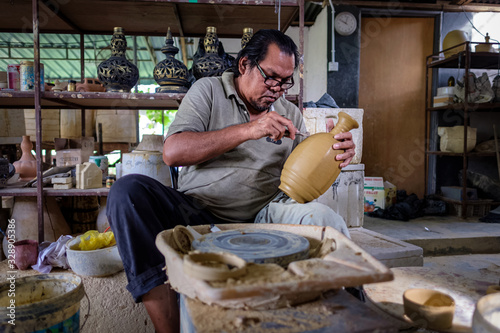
[
  {"x": 96, "y": 100},
  {"x": 188, "y": 18},
  {"x": 48, "y": 191},
  {"x": 472, "y": 107},
  {"x": 479, "y": 60},
  {"x": 470, "y": 154},
  {"x": 469, "y": 202}
]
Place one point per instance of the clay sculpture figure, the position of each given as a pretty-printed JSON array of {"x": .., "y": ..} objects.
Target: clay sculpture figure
[{"x": 311, "y": 168}]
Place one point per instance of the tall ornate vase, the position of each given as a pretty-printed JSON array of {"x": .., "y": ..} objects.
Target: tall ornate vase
[
  {"x": 311, "y": 168},
  {"x": 26, "y": 166},
  {"x": 170, "y": 73},
  {"x": 247, "y": 35},
  {"x": 211, "y": 63},
  {"x": 117, "y": 74}
]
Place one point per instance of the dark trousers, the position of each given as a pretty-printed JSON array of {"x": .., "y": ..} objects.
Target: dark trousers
[{"x": 138, "y": 208}]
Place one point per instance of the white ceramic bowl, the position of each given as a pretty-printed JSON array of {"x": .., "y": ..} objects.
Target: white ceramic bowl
[
  {"x": 486, "y": 318},
  {"x": 100, "y": 262}
]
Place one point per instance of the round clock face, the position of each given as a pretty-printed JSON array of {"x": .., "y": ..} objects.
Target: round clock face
[{"x": 345, "y": 23}]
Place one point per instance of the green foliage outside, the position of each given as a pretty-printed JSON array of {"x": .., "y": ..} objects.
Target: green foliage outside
[{"x": 155, "y": 117}]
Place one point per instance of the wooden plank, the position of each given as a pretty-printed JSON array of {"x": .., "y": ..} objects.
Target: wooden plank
[
  {"x": 98, "y": 100},
  {"x": 31, "y": 192},
  {"x": 336, "y": 311},
  {"x": 143, "y": 17}
]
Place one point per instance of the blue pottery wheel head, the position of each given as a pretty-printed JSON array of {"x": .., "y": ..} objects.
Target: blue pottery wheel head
[{"x": 256, "y": 245}]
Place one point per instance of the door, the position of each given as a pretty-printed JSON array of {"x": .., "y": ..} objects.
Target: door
[{"x": 392, "y": 94}]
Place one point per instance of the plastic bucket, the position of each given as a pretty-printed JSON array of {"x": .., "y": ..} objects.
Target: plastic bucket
[{"x": 41, "y": 303}]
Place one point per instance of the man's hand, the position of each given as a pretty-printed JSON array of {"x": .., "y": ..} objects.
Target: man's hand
[
  {"x": 345, "y": 144},
  {"x": 272, "y": 125}
]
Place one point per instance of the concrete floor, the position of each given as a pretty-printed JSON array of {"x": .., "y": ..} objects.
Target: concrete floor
[
  {"x": 465, "y": 248},
  {"x": 441, "y": 235}
]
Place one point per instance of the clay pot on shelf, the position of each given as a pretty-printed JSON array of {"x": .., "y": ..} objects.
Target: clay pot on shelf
[
  {"x": 117, "y": 74},
  {"x": 171, "y": 74},
  {"x": 210, "y": 59},
  {"x": 247, "y": 35},
  {"x": 311, "y": 168},
  {"x": 26, "y": 166}
]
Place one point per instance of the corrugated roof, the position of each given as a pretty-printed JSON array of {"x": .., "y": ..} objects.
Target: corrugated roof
[{"x": 60, "y": 53}]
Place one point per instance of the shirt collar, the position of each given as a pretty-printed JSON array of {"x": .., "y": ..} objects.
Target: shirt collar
[{"x": 229, "y": 87}]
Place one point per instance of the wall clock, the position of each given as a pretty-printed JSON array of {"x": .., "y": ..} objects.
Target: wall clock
[{"x": 345, "y": 23}]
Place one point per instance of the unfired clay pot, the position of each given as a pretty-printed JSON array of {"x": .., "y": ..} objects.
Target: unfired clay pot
[
  {"x": 429, "y": 308},
  {"x": 311, "y": 168},
  {"x": 26, "y": 253},
  {"x": 26, "y": 166}
]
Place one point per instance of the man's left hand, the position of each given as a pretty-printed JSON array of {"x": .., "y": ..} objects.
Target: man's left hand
[{"x": 345, "y": 143}]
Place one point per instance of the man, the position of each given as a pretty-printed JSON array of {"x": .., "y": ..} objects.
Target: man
[{"x": 229, "y": 136}]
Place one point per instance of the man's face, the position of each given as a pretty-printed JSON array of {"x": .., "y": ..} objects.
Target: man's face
[{"x": 254, "y": 91}]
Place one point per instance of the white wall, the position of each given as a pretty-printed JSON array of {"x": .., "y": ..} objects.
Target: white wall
[{"x": 315, "y": 58}]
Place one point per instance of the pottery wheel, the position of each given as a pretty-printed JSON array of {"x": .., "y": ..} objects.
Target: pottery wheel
[
  {"x": 465, "y": 290},
  {"x": 257, "y": 246}
]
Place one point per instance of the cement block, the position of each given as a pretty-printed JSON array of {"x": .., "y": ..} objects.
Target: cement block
[
  {"x": 315, "y": 120},
  {"x": 390, "y": 251},
  {"x": 345, "y": 196}
]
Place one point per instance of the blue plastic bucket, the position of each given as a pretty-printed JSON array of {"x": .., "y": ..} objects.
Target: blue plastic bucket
[{"x": 41, "y": 303}]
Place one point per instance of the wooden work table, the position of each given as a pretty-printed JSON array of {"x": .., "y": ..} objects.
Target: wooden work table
[{"x": 336, "y": 311}]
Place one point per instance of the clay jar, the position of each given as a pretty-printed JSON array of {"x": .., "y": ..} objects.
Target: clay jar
[
  {"x": 429, "y": 308},
  {"x": 311, "y": 168},
  {"x": 26, "y": 166},
  {"x": 26, "y": 253}
]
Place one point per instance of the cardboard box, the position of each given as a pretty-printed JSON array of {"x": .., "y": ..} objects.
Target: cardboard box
[
  {"x": 73, "y": 151},
  {"x": 390, "y": 191},
  {"x": 374, "y": 193}
]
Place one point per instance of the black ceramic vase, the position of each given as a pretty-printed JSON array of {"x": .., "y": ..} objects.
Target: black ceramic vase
[
  {"x": 171, "y": 74},
  {"x": 211, "y": 60},
  {"x": 247, "y": 35},
  {"x": 117, "y": 74}
]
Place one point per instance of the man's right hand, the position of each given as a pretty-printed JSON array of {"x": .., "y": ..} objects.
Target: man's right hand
[
  {"x": 271, "y": 125},
  {"x": 191, "y": 148}
]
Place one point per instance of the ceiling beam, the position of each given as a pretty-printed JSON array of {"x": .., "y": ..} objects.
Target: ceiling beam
[
  {"x": 56, "y": 10},
  {"x": 182, "y": 40},
  {"x": 440, "y": 5}
]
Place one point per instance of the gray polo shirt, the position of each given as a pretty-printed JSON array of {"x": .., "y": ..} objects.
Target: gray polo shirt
[{"x": 237, "y": 184}]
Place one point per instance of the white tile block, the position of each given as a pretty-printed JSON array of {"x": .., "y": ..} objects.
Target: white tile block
[
  {"x": 345, "y": 196},
  {"x": 315, "y": 120},
  {"x": 390, "y": 251}
]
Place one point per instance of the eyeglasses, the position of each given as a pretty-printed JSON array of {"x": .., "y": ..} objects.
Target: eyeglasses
[{"x": 272, "y": 82}]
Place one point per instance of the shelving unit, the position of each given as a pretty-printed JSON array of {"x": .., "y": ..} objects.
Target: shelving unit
[
  {"x": 466, "y": 60},
  {"x": 186, "y": 18}
]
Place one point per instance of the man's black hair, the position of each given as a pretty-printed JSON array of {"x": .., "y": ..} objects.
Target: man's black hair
[{"x": 257, "y": 47}]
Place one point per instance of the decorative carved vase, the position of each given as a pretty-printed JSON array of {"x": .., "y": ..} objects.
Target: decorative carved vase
[
  {"x": 171, "y": 74},
  {"x": 247, "y": 35},
  {"x": 211, "y": 60},
  {"x": 26, "y": 166},
  {"x": 311, "y": 168},
  {"x": 117, "y": 74}
]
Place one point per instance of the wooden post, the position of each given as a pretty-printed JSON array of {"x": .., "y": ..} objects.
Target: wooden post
[{"x": 38, "y": 120}]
